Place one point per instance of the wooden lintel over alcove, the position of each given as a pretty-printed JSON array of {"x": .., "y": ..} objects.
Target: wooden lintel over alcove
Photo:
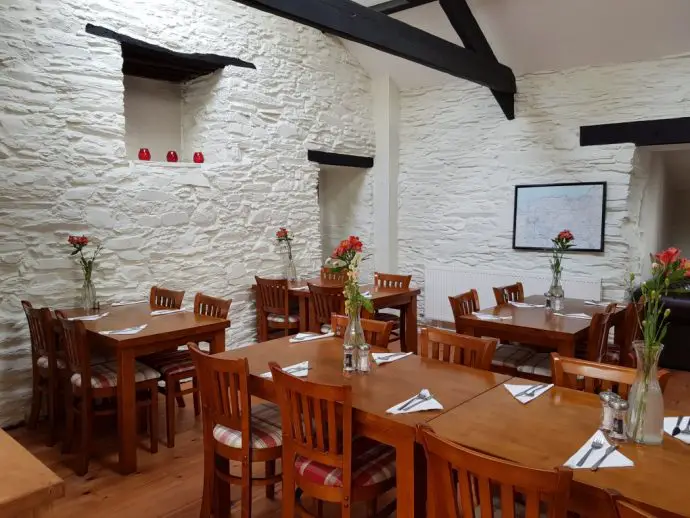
[
  {"x": 326, "y": 158},
  {"x": 656, "y": 132}
]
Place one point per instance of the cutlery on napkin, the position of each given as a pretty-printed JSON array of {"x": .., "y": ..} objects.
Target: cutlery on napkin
[
  {"x": 421, "y": 402},
  {"x": 606, "y": 456},
  {"x": 366, "y": 295},
  {"x": 583, "y": 316},
  {"x": 301, "y": 370},
  {"x": 128, "y": 331},
  {"x": 308, "y": 337},
  {"x": 380, "y": 358},
  {"x": 166, "y": 311},
  {"x": 683, "y": 431},
  {"x": 487, "y": 316},
  {"x": 301, "y": 288},
  {"x": 115, "y": 304},
  {"x": 602, "y": 304},
  {"x": 90, "y": 317},
  {"x": 526, "y": 393},
  {"x": 526, "y": 305}
]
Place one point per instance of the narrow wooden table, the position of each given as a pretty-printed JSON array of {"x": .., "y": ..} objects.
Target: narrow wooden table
[
  {"x": 27, "y": 487},
  {"x": 538, "y": 326},
  {"x": 372, "y": 394},
  {"x": 406, "y": 299},
  {"x": 546, "y": 432},
  {"x": 162, "y": 332}
]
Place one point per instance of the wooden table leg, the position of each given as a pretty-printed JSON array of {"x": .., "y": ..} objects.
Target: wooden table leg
[
  {"x": 218, "y": 342},
  {"x": 303, "y": 315},
  {"x": 405, "y": 479},
  {"x": 410, "y": 341},
  {"x": 126, "y": 411},
  {"x": 567, "y": 348}
]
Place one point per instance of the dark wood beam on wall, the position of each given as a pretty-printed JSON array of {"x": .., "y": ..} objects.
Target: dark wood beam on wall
[
  {"x": 642, "y": 133},
  {"x": 326, "y": 158},
  {"x": 354, "y": 22},
  {"x": 465, "y": 24},
  {"x": 395, "y": 6}
]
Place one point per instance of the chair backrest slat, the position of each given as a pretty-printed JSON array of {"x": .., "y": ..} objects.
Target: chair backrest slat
[
  {"x": 463, "y": 350},
  {"x": 165, "y": 298},
  {"x": 41, "y": 331},
  {"x": 211, "y": 306},
  {"x": 464, "y": 304},
  {"x": 75, "y": 347},
  {"x": 634, "y": 315},
  {"x": 326, "y": 300},
  {"x": 273, "y": 294},
  {"x": 376, "y": 332},
  {"x": 330, "y": 275},
  {"x": 391, "y": 280},
  {"x": 510, "y": 293},
  {"x": 597, "y": 341}
]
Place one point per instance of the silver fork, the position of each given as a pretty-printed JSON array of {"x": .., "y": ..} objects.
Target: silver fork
[
  {"x": 424, "y": 395},
  {"x": 597, "y": 444},
  {"x": 531, "y": 391}
]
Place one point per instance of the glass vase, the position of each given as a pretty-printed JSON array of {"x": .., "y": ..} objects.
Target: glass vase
[
  {"x": 354, "y": 353},
  {"x": 290, "y": 269},
  {"x": 88, "y": 294},
  {"x": 555, "y": 293},
  {"x": 646, "y": 413}
]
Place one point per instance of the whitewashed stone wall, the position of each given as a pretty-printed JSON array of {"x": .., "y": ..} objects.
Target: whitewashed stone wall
[
  {"x": 211, "y": 227},
  {"x": 460, "y": 160}
]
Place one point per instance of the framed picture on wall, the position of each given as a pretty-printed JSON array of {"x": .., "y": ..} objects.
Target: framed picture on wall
[{"x": 543, "y": 210}]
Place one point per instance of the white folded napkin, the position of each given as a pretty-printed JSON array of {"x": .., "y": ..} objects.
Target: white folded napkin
[
  {"x": 380, "y": 358},
  {"x": 614, "y": 460},
  {"x": 420, "y": 405},
  {"x": 301, "y": 288},
  {"x": 301, "y": 370},
  {"x": 517, "y": 389},
  {"x": 670, "y": 424},
  {"x": 128, "y": 331},
  {"x": 582, "y": 316},
  {"x": 114, "y": 304},
  {"x": 366, "y": 295},
  {"x": 308, "y": 337},
  {"x": 596, "y": 303},
  {"x": 487, "y": 316},
  {"x": 166, "y": 311},
  {"x": 526, "y": 305},
  {"x": 90, "y": 317}
]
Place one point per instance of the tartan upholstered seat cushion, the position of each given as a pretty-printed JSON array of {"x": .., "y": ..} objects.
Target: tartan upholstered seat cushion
[
  {"x": 104, "y": 375},
  {"x": 511, "y": 355},
  {"x": 372, "y": 463},
  {"x": 43, "y": 362},
  {"x": 538, "y": 363},
  {"x": 171, "y": 363},
  {"x": 280, "y": 319},
  {"x": 266, "y": 429}
]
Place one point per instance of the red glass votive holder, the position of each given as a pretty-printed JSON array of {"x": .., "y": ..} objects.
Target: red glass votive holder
[
  {"x": 198, "y": 157},
  {"x": 171, "y": 156},
  {"x": 144, "y": 154}
]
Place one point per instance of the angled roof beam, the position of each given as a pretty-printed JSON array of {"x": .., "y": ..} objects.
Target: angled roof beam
[
  {"x": 395, "y": 6},
  {"x": 354, "y": 22},
  {"x": 465, "y": 24}
]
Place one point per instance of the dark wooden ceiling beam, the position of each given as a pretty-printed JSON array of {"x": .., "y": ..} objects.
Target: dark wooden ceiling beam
[
  {"x": 354, "y": 22},
  {"x": 465, "y": 24},
  {"x": 395, "y": 6}
]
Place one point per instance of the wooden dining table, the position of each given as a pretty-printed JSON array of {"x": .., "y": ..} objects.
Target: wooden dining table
[
  {"x": 372, "y": 394},
  {"x": 547, "y": 431},
  {"x": 162, "y": 332},
  {"x": 403, "y": 298},
  {"x": 540, "y": 326}
]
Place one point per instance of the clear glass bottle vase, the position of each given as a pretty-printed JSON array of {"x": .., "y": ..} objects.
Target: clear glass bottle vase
[
  {"x": 646, "y": 411},
  {"x": 88, "y": 294},
  {"x": 555, "y": 293},
  {"x": 290, "y": 269},
  {"x": 355, "y": 348}
]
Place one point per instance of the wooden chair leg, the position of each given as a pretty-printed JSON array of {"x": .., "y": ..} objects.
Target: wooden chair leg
[
  {"x": 209, "y": 483},
  {"x": 69, "y": 419},
  {"x": 195, "y": 396},
  {"x": 221, "y": 488},
  {"x": 371, "y": 508},
  {"x": 36, "y": 400},
  {"x": 86, "y": 425},
  {"x": 153, "y": 419},
  {"x": 246, "y": 488},
  {"x": 319, "y": 508},
  {"x": 170, "y": 416},
  {"x": 178, "y": 389},
  {"x": 270, "y": 471},
  {"x": 289, "y": 496},
  {"x": 52, "y": 411}
]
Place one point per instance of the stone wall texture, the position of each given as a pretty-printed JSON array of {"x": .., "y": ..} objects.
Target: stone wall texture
[
  {"x": 200, "y": 228},
  {"x": 460, "y": 160}
]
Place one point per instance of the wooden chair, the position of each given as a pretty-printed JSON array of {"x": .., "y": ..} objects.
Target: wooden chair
[
  {"x": 463, "y": 304},
  {"x": 325, "y": 300},
  {"x": 273, "y": 307},
  {"x": 511, "y": 293},
  {"x": 634, "y": 314},
  {"x": 598, "y": 337},
  {"x": 392, "y": 281},
  {"x": 164, "y": 298},
  {"x": 234, "y": 431},
  {"x": 176, "y": 366},
  {"x": 480, "y": 483},
  {"x": 596, "y": 377},
  {"x": 621, "y": 508},
  {"x": 451, "y": 347},
  {"x": 98, "y": 395},
  {"x": 46, "y": 366},
  {"x": 376, "y": 333},
  {"x": 320, "y": 455},
  {"x": 328, "y": 275}
]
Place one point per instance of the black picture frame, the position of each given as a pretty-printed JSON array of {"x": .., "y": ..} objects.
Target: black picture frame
[{"x": 516, "y": 246}]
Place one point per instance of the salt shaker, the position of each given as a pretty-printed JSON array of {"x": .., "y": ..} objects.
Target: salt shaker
[
  {"x": 364, "y": 362},
  {"x": 620, "y": 416},
  {"x": 606, "y": 398}
]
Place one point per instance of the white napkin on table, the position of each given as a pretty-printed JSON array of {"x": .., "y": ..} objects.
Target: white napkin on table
[
  {"x": 90, "y": 317},
  {"x": 114, "y": 304},
  {"x": 487, "y": 316},
  {"x": 380, "y": 358},
  {"x": 128, "y": 331},
  {"x": 526, "y": 305},
  {"x": 366, "y": 295},
  {"x": 166, "y": 311},
  {"x": 419, "y": 406},
  {"x": 301, "y": 370},
  {"x": 516, "y": 389},
  {"x": 583, "y": 316},
  {"x": 301, "y": 288},
  {"x": 614, "y": 460},
  {"x": 308, "y": 337},
  {"x": 602, "y": 304},
  {"x": 670, "y": 424}
]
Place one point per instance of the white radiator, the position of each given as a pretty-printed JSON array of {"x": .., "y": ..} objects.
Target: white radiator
[{"x": 440, "y": 282}]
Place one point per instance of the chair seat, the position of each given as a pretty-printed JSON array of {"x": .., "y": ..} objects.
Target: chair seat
[
  {"x": 44, "y": 363},
  {"x": 372, "y": 463},
  {"x": 325, "y": 328},
  {"x": 280, "y": 319},
  {"x": 104, "y": 375},
  {"x": 266, "y": 429},
  {"x": 387, "y": 317},
  {"x": 539, "y": 364},
  {"x": 171, "y": 363},
  {"x": 511, "y": 355}
]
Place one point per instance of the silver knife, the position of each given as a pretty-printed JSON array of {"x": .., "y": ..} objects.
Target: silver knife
[
  {"x": 391, "y": 355},
  {"x": 532, "y": 389},
  {"x": 608, "y": 452},
  {"x": 407, "y": 405}
]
